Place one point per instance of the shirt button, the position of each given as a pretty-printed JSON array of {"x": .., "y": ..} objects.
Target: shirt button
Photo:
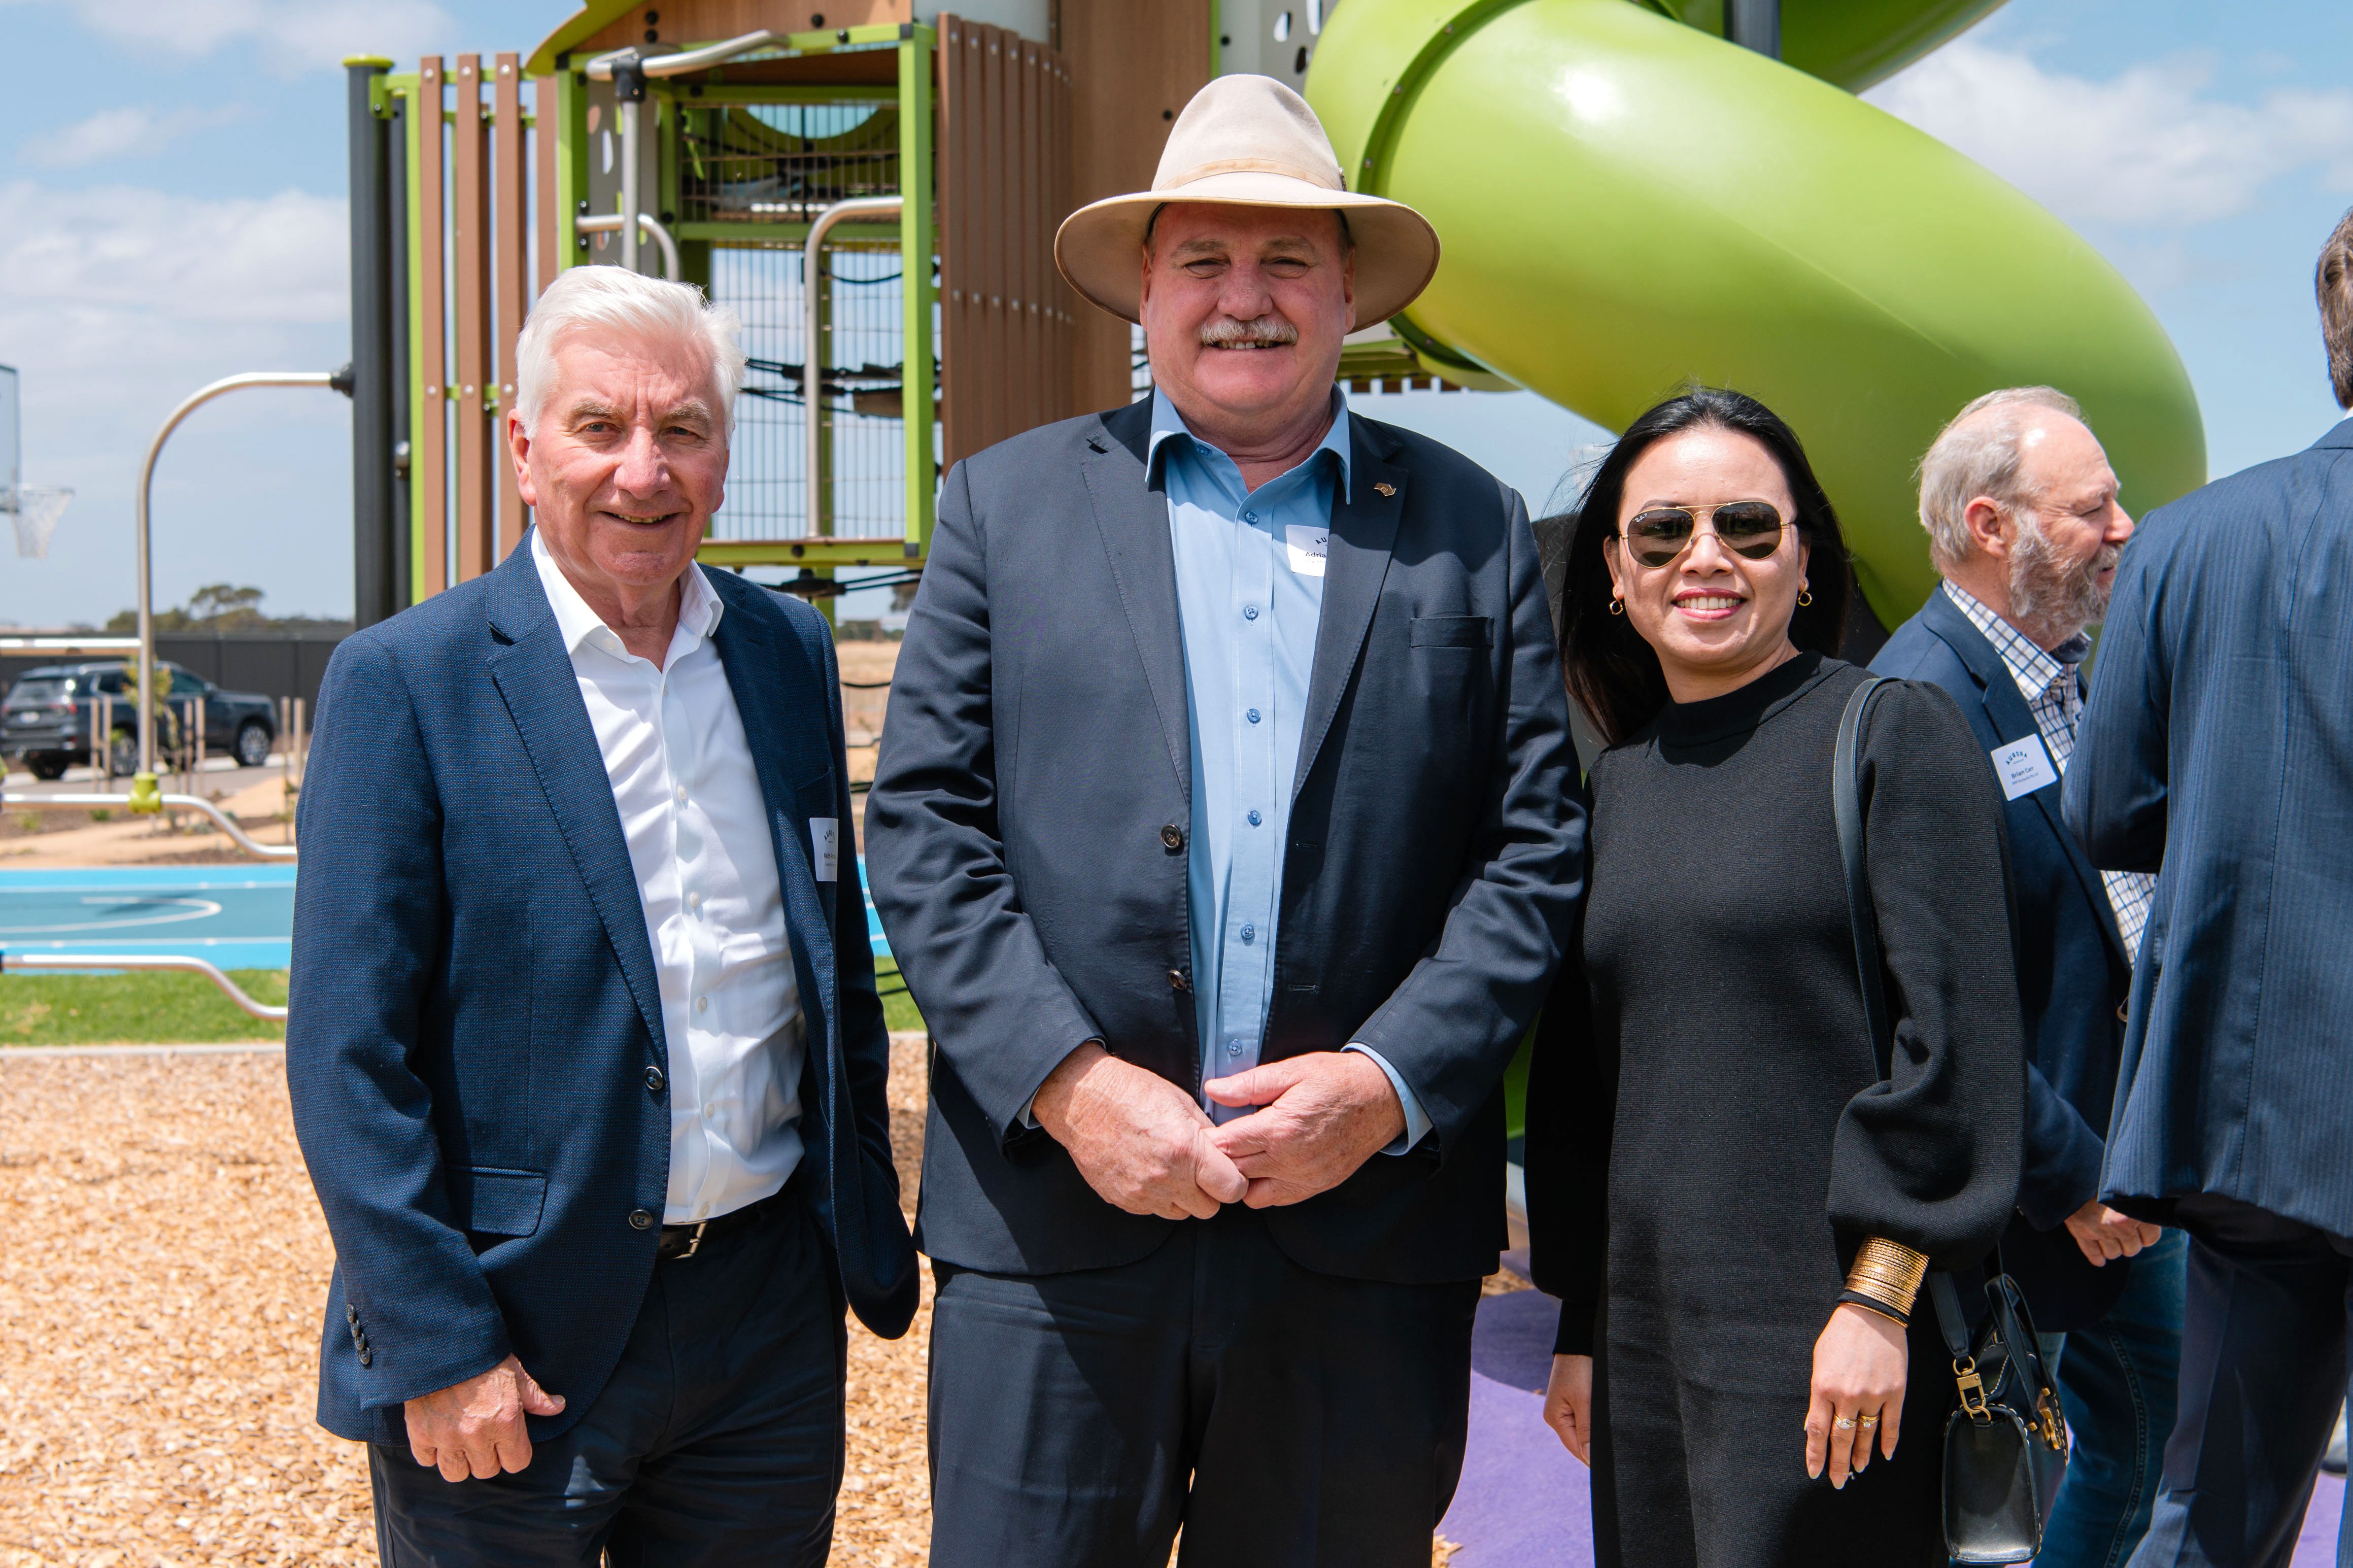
[
  {"x": 654, "y": 1080},
  {"x": 1249, "y": 933},
  {"x": 1250, "y": 517},
  {"x": 1249, "y": 612},
  {"x": 702, "y": 1003},
  {"x": 694, "y": 902},
  {"x": 1255, "y": 819},
  {"x": 640, "y": 1219},
  {"x": 1253, "y": 715},
  {"x": 1233, "y": 1047},
  {"x": 679, "y": 794}
]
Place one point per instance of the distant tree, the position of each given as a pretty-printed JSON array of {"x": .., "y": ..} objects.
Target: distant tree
[{"x": 222, "y": 607}]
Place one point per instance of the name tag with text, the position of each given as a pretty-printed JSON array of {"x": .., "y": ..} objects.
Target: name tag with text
[
  {"x": 1308, "y": 547},
  {"x": 2023, "y": 767},
  {"x": 825, "y": 847}
]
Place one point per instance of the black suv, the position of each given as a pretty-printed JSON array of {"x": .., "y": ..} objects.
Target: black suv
[{"x": 48, "y": 717}]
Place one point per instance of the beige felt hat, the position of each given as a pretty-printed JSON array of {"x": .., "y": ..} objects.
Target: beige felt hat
[{"x": 1252, "y": 141}]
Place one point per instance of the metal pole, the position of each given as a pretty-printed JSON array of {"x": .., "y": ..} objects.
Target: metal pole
[
  {"x": 629, "y": 93},
  {"x": 372, "y": 390},
  {"x": 814, "y": 353},
  {"x": 1754, "y": 24},
  {"x": 144, "y": 795},
  {"x": 610, "y": 222}
]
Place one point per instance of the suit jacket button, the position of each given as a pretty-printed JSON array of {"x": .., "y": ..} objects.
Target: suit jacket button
[
  {"x": 641, "y": 1220},
  {"x": 366, "y": 1360},
  {"x": 654, "y": 1081},
  {"x": 1176, "y": 981},
  {"x": 1173, "y": 836}
]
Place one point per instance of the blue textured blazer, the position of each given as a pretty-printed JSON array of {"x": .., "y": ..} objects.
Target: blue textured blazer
[
  {"x": 474, "y": 1010},
  {"x": 2218, "y": 751},
  {"x": 1026, "y": 836},
  {"x": 2073, "y": 975}
]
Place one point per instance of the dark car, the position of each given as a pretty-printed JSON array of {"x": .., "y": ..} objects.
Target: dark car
[{"x": 48, "y": 715}]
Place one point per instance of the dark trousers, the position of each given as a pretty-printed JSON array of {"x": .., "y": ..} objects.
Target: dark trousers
[
  {"x": 1280, "y": 1417},
  {"x": 2118, "y": 1380},
  {"x": 717, "y": 1441},
  {"x": 2262, "y": 1376}
]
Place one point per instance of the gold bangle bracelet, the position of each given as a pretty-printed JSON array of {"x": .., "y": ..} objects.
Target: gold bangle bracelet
[{"x": 1888, "y": 1271}]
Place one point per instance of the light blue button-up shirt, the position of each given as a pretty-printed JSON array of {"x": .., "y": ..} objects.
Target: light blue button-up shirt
[{"x": 1250, "y": 594}]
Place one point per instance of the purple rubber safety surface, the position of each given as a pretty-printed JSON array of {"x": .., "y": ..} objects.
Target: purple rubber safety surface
[{"x": 1524, "y": 1503}]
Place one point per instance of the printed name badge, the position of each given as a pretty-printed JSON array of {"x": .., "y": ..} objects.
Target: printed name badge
[
  {"x": 2023, "y": 767},
  {"x": 825, "y": 847},
  {"x": 1308, "y": 547}
]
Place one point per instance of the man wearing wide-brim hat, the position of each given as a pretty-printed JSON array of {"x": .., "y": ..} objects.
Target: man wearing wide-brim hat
[{"x": 1225, "y": 832}]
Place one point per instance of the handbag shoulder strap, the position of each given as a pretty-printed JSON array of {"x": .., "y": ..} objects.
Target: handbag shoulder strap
[{"x": 1846, "y": 801}]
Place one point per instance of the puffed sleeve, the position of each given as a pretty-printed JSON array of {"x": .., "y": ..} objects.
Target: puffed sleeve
[
  {"x": 1931, "y": 1156},
  {"x": 1571, "y": 1107}
]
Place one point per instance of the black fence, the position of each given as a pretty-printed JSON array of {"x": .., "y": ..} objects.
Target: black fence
[{"x": 274, "y": 664}]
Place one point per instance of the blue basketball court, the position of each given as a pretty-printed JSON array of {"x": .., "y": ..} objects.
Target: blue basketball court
[{"x": 236, "y": 917}]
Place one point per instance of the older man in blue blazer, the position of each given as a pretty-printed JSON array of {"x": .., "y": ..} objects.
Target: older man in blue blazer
[
  {"x": 2218, "y": 752},
  {"x": 585, "y": 1049},
  {"x": 2020, "y": 509},
  {"x": 1226, "y": 829}
]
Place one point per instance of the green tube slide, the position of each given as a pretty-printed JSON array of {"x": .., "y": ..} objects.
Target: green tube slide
[{"x": 1628, "y": 202}]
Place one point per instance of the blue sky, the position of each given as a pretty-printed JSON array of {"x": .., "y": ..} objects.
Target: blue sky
[{"x": 171, "y": 210}]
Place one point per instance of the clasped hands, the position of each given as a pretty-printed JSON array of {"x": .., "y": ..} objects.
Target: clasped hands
[{"x": 1145, "y": 1146}]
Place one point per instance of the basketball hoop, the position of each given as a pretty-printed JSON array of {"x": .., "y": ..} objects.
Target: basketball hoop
[{"x": 35, "y": 508}]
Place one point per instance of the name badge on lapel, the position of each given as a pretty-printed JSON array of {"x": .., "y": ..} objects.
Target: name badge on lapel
[
  {"x": 825, "y": 847},
  {"x": 1307, "y": 548},
  {"x": 2023, "y": 767}
]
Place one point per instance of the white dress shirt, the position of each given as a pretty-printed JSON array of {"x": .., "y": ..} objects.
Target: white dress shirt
[{"x": 697, "y": 828}]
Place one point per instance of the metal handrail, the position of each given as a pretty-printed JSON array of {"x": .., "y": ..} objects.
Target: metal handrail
[
  {"x": 143, "y": 797},
  {"x": 610, "y": 222},
  {"x": 171, "y": 802},
  {"x": 13, "y": 962},
  {"x": 812, "y": 301},
  {"x": 30, "y": 645}
]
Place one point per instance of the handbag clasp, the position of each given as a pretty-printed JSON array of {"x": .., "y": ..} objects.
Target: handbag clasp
[
  {"x": 1972, "y": 1387},
  {"x": 2047, "y": 1423}
]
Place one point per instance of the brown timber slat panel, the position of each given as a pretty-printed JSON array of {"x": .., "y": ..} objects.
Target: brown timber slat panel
[
  {"x": 1037, "y": 239},
  {"x": 1134, "y": 67},
  {"x": 471, "y": 257},
  {"x": 995, "y": 220},
  {"x": 510, "y": 190},
  {"x": 953, "y": 165},
  {"x": 429, "y": 485}
]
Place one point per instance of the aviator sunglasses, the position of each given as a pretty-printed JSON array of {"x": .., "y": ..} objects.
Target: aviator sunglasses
[{"x": 1750, "y": 528}]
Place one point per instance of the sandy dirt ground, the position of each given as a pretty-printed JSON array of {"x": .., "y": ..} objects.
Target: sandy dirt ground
[
  {"x": 163, "y": 1264},
  {"x": 48, "y": 840}
]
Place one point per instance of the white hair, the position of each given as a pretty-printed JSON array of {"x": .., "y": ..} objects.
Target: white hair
[
  {"x": 613, "y": 299},
  {"x": 1972, "y": 457}
]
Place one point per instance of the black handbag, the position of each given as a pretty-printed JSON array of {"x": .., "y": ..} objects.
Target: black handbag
[{"x": 2006, "y": 1446}]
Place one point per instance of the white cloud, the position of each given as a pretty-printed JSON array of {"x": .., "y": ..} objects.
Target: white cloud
[
  {"x": 2148, "y": 149},
  {"x": 294, "y": 35},
  {"x": 117, "y": 132}
]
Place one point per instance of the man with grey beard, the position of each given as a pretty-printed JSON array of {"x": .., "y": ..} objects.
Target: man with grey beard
[{"x": 2020, "y": 509}]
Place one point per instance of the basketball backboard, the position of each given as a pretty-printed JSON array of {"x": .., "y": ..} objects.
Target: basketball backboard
[{"x": 35, "y": 509}]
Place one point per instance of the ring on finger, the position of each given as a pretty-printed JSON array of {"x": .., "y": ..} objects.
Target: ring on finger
[
  {"x": 1844, "y": 1423},
  {"x": 1867, "y": 1421}
]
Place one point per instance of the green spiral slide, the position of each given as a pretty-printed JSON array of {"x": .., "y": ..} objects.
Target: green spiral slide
[{"x": 1628, "y": 202}]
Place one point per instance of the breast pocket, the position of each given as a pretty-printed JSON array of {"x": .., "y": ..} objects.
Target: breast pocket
[{"x": 1446, "y": 632}]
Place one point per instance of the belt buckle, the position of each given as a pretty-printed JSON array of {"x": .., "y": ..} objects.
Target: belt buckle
[{"x": 694, "y": 1243}]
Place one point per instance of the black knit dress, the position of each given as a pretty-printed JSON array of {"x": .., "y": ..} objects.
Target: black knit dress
[{"x": 1708, "y": 1138}]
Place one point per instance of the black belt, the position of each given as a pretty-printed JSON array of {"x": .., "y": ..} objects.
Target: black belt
[{"x": 682, "y": 1241}]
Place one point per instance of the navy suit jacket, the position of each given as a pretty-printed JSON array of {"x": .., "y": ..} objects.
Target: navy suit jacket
[
  {"x": 1026, "y": 832},
  {"x": 2072, "y": 977},
  {"x": 473, "y": 1008},
  {"x": 2218, "y": 751}
]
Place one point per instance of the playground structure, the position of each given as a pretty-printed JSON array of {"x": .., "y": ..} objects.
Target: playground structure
[
  {"x": 1633, "y": 193},
  {"x": 34, "y": 509}
]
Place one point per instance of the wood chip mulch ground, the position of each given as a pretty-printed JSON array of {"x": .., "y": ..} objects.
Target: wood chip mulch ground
[{"x": 162, "y": 1264}]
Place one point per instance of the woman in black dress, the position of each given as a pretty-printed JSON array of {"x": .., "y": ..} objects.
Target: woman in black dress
[{"x": 1734, "y": 1207}]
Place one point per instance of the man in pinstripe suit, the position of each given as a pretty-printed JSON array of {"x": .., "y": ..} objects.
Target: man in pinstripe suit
[{"x": 2218, "y": 751}]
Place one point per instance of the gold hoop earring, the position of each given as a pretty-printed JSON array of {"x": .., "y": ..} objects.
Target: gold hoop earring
[
  {"x": 1617, "y": 606},
  {"x": 1804, "y": 598}
]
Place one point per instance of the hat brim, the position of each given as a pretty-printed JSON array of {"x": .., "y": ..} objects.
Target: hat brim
[{"x": 1100, "y": 247}]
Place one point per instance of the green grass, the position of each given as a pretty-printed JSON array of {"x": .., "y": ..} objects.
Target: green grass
[
  {"x": 184, "y": 1009},
  {"x": 138, "y": 1009},
  {"x": 898, "y": 1011}
]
